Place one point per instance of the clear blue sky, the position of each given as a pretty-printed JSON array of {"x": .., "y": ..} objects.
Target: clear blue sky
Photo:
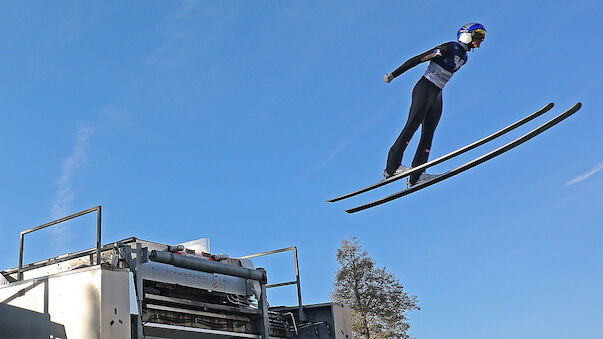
[{"x": 237, "y": 120}]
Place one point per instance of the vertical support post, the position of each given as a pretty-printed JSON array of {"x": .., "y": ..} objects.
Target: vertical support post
[
  {"x": 302, "y": 317},
  {"x": 46, "y": 295},
  {"x": 139, "y": 288},
  {"x": 98, "y": 235},
  {"x": 263, "y": 305},
  {"x": 19, "y": 273}
]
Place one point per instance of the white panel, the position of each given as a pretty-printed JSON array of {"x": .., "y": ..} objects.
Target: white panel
[
  {"x": 115, "y": 301},
  {"x": 83, "y": 302},
  {"x": 199, "y": 245},
  {"x": 74, "y": 301}
]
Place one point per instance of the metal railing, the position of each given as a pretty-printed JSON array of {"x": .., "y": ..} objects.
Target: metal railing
[
  {"x": 58, "y": 221},
  {"x": 294, "y": 282}
]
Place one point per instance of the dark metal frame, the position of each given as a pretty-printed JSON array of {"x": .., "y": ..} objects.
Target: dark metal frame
[{"x": 58, "y": 221}]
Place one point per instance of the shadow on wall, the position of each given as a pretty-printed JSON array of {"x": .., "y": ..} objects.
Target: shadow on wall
[
  {"x": 17, "y": 322},
  {"x": 92, "y": 311}
]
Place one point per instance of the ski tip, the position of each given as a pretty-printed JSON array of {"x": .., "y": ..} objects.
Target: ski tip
[
  {"x": 575, "y": 108},
  {"x": 358, "y": 209},
  {"x": 338, "y": 198}
]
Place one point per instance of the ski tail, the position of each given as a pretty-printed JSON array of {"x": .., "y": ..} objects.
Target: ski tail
[
  {"x": 449, "y": 155},
  {"x": 474, "y": 162}
]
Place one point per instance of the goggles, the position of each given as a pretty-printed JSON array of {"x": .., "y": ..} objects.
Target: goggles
[{"x": 479, "y": 34}]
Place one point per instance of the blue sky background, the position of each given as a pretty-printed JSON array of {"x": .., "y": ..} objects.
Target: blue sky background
[{"x": 237, "y": 120}]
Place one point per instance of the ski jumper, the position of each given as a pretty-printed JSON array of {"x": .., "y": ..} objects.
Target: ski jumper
[{"x": 426, "y": 107}]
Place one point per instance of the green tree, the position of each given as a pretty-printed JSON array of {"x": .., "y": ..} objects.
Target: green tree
[{"x": 376, "y": 297}]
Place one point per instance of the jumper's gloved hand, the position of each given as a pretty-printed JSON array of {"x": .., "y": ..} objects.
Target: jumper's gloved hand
[{"x": 388, "y": 78}]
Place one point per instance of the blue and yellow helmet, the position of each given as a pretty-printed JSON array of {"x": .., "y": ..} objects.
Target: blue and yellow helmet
[{"x": 470, "y": 32}]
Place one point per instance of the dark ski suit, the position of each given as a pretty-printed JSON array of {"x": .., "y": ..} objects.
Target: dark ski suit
[{"x": 426, "y": 107}]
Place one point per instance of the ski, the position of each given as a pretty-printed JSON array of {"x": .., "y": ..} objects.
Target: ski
[
  {"x": 472, "y": 163},
  {"x": 449, "y": 155}
]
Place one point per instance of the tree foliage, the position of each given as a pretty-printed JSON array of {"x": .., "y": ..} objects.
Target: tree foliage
[{"x": 376, "y": 297}]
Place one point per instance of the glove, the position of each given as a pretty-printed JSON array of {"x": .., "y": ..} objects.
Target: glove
[{"x": 388, "y": 78}]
